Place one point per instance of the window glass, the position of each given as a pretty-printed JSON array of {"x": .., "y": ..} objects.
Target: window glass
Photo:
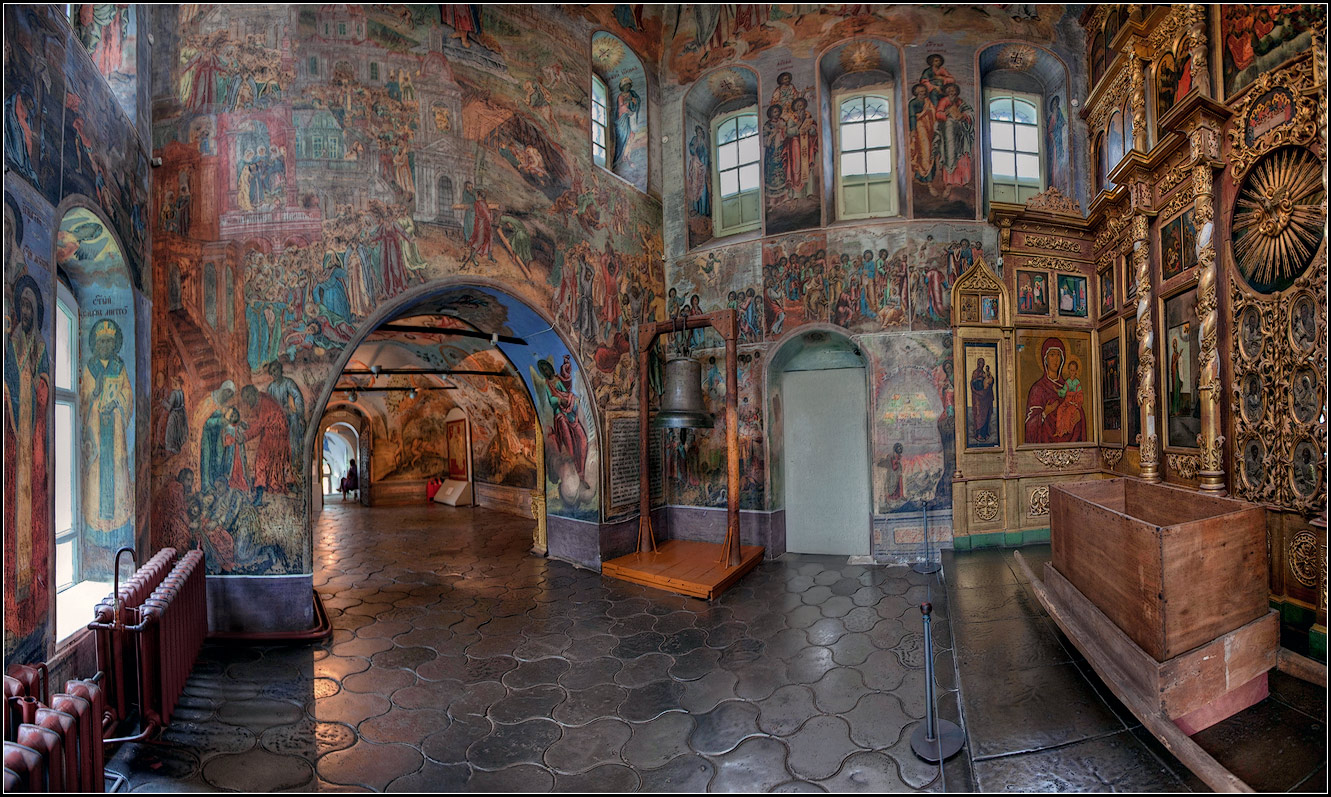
[
  {"x": 864, "y": 137},
  {"x": 64, "y": 336},
  {"x": 600, "y": 118},
  {"x": 736, "y": 152},
  {"x": 738, "y": 174},
  {"x": 1015, "y": 173}
]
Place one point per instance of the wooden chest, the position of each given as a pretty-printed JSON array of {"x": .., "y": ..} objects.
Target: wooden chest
[{"x": 1173, "y": 568}]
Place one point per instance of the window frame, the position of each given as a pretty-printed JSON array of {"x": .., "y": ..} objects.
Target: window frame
[
  {"x": 67, "y": 304},
  {"x": 885, "y": 94},
  {"x": 719, "y": 229},
  {"x": 604, "y": 159},
  {"x": 1016, "y": 184}
]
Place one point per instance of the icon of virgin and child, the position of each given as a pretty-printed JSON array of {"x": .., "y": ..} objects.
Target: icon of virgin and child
[{"x": 1055, "y": 404}]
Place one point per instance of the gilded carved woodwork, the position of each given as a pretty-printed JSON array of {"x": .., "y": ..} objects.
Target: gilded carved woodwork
[
  {"x": 1280, "y": 387},
  {"x": 1204, "y": 143},
  {"x": 1178, "y": 203},
  {"x": 1059, "y": 459},
  {"x": 1162, "y": 38},
  {"x": 1279, "y": 217},
  {"x": 1147, "y": 441},
  {"x": 1050, "y": 263},
  {"x": 1185, "y": 465},
  {"x": 1174, "y": 174},
  {"x": 1054, "y": 201},
  {"x": 1305, "y": 559},
  {"x": 1113, "y": 225},
  {"x": 1039, "y": 506},
  {"x": 1197, "y": 48},
  {"x": 978, "y": 279},
  {"x": 1279, "y": 109},
  {"x": 985, "y": 505},
  {"x": 1138, "y": 99},
  {"x": 1110, "y": 101},
  {"x": 1111, "y": 456},
  {"x": 1050, "y": 242}
]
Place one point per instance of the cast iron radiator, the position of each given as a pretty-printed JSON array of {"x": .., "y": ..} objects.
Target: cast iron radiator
[{"x": 149, "y": 633}]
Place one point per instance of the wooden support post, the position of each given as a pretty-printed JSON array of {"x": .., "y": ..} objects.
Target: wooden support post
[
  {"x": 646, "y": 539},
  {"x": 730, "y": 549}
]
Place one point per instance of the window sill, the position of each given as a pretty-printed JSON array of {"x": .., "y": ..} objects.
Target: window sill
[
  {"x": 727, "y": 239},
  {"x": 625, "y": 181},
  {"x": 74, "y": 606}
]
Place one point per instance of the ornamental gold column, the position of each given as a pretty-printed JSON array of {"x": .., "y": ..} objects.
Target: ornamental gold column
[
  {"x": 1203, "y": 132},
  {"x": 1140, "y": 194}
]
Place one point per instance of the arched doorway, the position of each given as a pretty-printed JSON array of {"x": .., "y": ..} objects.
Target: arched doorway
[
  {"x": 344, "y": 435},
  {"x": 341, "y": 446},
  {"x": 818, "y": 394},
  {"x": 543, "y": 384}
]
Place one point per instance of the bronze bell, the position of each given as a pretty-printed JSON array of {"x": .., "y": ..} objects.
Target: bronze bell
[{"x": 681, "y": 403}]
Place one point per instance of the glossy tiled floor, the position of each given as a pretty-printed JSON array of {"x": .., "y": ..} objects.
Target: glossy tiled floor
[
  {"x": 461, "y": 662},
  {"x": 1039, "y": 719}
]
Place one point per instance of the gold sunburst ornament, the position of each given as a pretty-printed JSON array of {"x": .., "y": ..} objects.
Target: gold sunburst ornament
[{"x": 1278, "y": 219}]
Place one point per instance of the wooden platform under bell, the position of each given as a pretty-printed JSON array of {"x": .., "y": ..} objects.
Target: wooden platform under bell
[{"x": 689, "y": 568}]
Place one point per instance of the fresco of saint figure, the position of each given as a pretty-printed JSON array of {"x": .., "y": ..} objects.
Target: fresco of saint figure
[{"x": 107, "y": 397}]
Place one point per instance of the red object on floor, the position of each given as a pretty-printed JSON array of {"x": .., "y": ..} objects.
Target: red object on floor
[{"x": 431, "y": 488}]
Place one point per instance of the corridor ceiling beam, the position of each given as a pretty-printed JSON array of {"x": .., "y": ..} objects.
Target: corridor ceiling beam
[
  {"x": 463, "y": 333},
  {"x": 422, "y": 372},
  {"x": 354, "y": 389}
]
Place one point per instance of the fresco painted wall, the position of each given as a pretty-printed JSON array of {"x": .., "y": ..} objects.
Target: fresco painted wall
[
  {"x": 884, "y": 282},
  {"x": 336, "y": 157},
  {"x": 74, "y": 159},
  {"x": 29, "y": 386}
]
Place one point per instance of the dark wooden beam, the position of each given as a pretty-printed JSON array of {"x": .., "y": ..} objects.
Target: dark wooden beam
[
  {"x": 353, "y": 389},
  {"x": 460, "y": 333},
  {"x": 422, "y": 372}
]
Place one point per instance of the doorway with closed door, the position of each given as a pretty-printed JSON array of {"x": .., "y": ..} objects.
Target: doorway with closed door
[{"x": 821, "y": 389}]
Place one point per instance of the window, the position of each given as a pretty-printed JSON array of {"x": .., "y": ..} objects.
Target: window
[
  {"x": 600, "y": 120},
  {"x": 865, "y": 182},
  {"x": 737, "y": 173},
  {"x": 73, "y": 598},
  {"x": 341, "y": 28},
  {"x": 314, "y": 66},
  {"x": 1015, "y": 173},
  {"x": 374, "y": 70}
]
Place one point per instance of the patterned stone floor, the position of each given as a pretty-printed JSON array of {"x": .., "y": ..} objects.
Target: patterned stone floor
[{"x": 461, "y": 662}]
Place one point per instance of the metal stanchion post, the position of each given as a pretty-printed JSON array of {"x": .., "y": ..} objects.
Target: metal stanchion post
[
  {"x": 928, "y": 565},
  {"x": 936, "y": 739}
]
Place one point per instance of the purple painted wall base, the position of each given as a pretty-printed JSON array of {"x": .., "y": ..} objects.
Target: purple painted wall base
[
  {"x": 707, "y": 524},
  {"x": 260, "y": 604}
]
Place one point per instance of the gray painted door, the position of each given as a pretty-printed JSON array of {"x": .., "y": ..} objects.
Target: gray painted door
[{"x": 826, "y": 462}]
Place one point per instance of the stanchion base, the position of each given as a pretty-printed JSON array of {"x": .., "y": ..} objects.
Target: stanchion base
[
  {"x": 950, "y": 740},
  {"x": 926, "y": 567}
]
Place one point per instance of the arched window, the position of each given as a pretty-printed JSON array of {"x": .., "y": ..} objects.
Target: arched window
[
  {"x": 866, "y": 182},
  {"x": 723, "y": 104},
  {"x": 600, "y": 121},
  {"x": 737, "y": 173},
  {"x": 619, "y": 109},
  {"x": 1028, "y": 148},
  {"x": 861, "y": 148},
  {"x": 1015, "y": 174}
]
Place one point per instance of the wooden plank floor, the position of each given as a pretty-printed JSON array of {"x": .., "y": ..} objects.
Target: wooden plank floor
[{"x": 683, "y": 566}]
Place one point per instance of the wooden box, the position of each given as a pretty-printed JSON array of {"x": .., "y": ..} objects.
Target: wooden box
[{"x": 1172, "y": 568}]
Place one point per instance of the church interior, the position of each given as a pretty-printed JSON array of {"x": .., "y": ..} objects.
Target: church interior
[{"x": 665, "y": 397}]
